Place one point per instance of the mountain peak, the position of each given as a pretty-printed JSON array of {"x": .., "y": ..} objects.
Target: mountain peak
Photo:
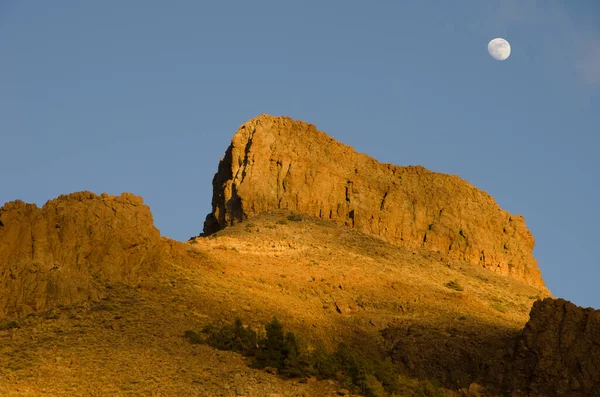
[{"x": 280, "y": 163}]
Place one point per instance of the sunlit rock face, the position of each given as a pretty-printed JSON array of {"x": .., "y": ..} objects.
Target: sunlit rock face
[
  {"x": 279, "y": 163},
  {"x": 58, "y": 254}
]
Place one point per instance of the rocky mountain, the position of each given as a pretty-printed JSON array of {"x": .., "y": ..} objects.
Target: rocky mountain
[
  {"x": 279, "y": 163},
  {"x": 418, "y": 267},
  {"x": 55, "y": 254}
]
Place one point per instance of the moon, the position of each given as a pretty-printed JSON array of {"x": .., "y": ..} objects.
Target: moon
[{"x": 499, "y": 49}]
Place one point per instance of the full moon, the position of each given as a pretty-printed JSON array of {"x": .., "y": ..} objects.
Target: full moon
[{"x": 499, "y": 49}]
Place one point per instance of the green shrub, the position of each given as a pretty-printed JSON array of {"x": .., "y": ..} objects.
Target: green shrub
[
  {"x": 386, "y": 374},
  {"x": 372, "y": 375},
  {"x": 482, "y": 277},
  {"x": 498, "y": 307},
  {"x": 454, "y": 285},
  {"x": 54, "y": 314},
  {"x": 321, "y": 363},
  {"x": 428, "y": 389},
  {"x": 353, "y": 365},
  {"x": 281, "y": 222},
  {"x": 193, "y": 337},
  {"x": 373, "y": 387},
  {"x": 280, "y": 351},
  {"x": 294, "y": 217},
  {"x": 368, "y": 374},
  {"x": 8, "y": 324},
  {"x": 294, "y": 364},
  {"x": 270, "y": 349},
  {"x": 234, "y": 337}
]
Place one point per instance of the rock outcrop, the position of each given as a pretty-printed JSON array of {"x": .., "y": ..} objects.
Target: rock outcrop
[
  {"x": 56, "y": 254},
  {"x": 559, "y": 351},
  {"x": 276, "y": 162}
]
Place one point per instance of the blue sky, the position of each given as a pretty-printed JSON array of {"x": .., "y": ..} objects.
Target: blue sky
[{"x": 144, "y": 96}]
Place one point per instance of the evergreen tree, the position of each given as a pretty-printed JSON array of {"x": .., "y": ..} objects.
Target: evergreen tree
[
  {"x": 270, "y": 353},
  {"x": 322, "y": 363},
  {"x": 292, "y": 363}
]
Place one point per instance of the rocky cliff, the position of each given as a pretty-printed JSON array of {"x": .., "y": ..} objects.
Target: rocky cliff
[
  {"x": 558, "y": 353},
  {"x": 55, "y": 254},
  {"x": 276, "y": 162}
]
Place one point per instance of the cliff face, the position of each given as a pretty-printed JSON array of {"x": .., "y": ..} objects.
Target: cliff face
[
  {"x": 559, "y": 351},
  {"x": 276, "y": 162},
  {"x": 54, "y": 254}
]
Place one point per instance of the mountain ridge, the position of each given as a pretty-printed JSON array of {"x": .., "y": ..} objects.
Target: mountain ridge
[
  {"x": 88, "y": 285},
  {"x": 278, "y": 163}
]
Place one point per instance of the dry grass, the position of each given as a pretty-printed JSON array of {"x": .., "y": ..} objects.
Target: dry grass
[{"x": 324, "y": 282}]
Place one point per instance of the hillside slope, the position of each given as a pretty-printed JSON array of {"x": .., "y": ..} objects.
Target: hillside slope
[
  {"x": 396, "y": 262},
  {"x": 326, "y": 282}
]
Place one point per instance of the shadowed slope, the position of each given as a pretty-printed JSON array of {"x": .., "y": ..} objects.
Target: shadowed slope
[{"x": 558, "y": 352}]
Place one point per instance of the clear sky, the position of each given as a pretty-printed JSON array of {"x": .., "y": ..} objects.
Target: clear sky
[{"x": 144, "y": 96}]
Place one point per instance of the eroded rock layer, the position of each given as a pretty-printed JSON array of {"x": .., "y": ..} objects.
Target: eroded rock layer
[
  {"x": 276, "y": 162},
  {"x": 55, "y": 254}
]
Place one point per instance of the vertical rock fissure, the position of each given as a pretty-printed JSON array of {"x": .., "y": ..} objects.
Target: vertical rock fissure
[
  {"x": 247, "y": 154},
  {"x": 32, "y": 243},
  {"x": 382, "y": 205},
  {"x": 349, "y": 190},
  {"x": 285, "y": 182}
]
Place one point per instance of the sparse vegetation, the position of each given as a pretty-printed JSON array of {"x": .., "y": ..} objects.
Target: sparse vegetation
[
  {"x": 280, "y": 350},
  {"x": 367, "y": 374},
  {"x": 455, "y": 285},
  {"x": 482, "y": 277},
  {"x": 234, "y": 337},
  {"x": 498, "y": 307},
  {"x": 418, "y": 388},
  {"x": 294, "y": 217},
  {"x": 348, "y": 283},
  {"x": 360, "y": 302},
  {"x": 193, "y": 337},
  {"x": 52, "y": 314},
  {"x": 281, "y": 222},
  {"x": 8, "y": 324}
]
